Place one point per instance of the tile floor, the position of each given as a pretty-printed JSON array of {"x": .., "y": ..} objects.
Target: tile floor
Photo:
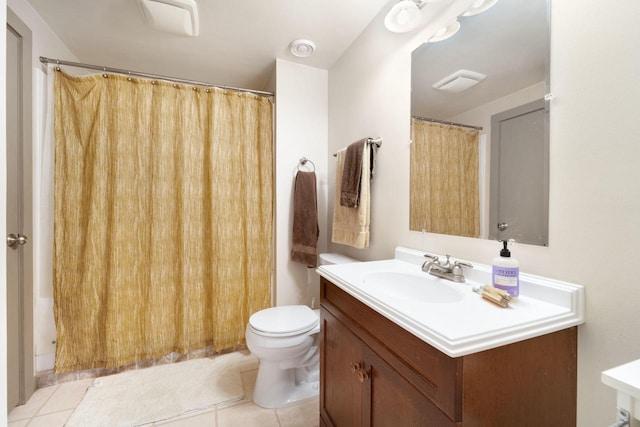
[{"x": 51, "y": 407}]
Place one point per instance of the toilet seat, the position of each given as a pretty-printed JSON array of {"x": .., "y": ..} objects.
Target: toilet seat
[{"x": 284, "y": 321}]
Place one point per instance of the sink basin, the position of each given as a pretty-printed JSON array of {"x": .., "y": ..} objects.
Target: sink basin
[{"x": 410, "y": 287}]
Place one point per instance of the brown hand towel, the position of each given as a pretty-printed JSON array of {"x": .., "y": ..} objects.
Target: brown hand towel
[
  {"x": 351, "y": 175},
  {"x": 305, "y": 220}
]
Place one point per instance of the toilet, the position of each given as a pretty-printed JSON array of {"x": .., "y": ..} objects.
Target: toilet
[{"x": 285, "y": 340}]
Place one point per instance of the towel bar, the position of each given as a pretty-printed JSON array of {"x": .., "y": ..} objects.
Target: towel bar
[{"x": 376, "y": 141}]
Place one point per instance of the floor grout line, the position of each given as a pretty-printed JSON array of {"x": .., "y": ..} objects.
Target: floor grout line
[
  {"x": 37, "y": 411},
  {"x": 45, "y": 402}
]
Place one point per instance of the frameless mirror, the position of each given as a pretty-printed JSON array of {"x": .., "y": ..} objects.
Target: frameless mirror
[{"x": 484, "y": 173}]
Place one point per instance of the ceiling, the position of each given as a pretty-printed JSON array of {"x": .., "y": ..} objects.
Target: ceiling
[
  {"x": 509, "y": 43},
  {"x": 238, "y": 42}
]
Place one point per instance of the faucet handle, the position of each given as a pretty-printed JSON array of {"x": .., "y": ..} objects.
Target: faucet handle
[
  {"x": 432, "y": 257},
  {"x": 431, "y": 260},
  {"x": 463, "y": 264}
]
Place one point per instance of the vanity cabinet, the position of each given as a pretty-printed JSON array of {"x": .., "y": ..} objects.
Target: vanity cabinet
[{"x": 375, "y": 373}]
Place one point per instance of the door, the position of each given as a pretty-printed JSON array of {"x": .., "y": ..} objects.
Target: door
[
  {"x": 19, "y": 262},
  {"x": 359, "y": 388},
  {"x": 394, "y": 401},
  {"x": 342, "y": 393},
  {"x": 520, "y": 175}
]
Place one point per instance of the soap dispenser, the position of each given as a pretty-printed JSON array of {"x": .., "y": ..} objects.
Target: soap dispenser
[{"x": 505, "y": 271}]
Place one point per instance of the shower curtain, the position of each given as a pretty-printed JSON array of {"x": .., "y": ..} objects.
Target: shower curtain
[
  {"x": 163, "y": 218},
  {"x": 444, "y": 179}
]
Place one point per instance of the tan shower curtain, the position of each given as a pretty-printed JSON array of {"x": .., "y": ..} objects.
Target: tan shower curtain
[
  {"x": 444, "y": 179},
  {"x": 163, "y": 218}
]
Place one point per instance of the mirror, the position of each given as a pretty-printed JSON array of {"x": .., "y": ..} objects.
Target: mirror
[{"x": 509, "y": 44}]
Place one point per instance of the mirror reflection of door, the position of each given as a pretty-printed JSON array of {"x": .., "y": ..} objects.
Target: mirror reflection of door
[
  {"x": 19, "y": 262},
  {"x": 519, "y": 174}
]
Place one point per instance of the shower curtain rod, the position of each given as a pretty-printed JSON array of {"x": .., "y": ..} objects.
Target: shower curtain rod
[
  {"x": 444, "y": 122},
  {"x": 45, "y": 60}
]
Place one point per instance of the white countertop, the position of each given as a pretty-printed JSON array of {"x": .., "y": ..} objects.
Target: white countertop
[
  {"x": 470, "y": 324},
  {"x": 624, "y": 378}
]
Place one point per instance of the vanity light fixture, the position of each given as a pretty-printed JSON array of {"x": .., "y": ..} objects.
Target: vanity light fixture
[
  {"x": 445, "y": 32},
  {"x": 479, "y": 6},
  {"x": 404, "y": 16},
  {"x": 459, "y": 81},
  {"x": 172, "y": 16},
  {"x": 302, "y": 48}
]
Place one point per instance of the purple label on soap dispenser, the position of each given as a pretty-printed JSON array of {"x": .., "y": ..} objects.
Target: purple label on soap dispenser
[{"x": 507, "y": 279}]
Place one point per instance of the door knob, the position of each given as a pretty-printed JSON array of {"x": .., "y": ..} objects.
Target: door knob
[
  {"x": 14, "y": 241},
  {"x": 355, "y": 367},
  {"x": 502, "y": 226},
  {"x": 363, "y": 376}
]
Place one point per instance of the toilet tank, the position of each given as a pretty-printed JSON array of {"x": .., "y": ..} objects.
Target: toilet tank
[{"x": 331, "y": 258}]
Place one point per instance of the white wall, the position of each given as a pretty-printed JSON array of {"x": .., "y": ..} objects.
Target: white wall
[
  {"x": 301, "y": 131},
  {"x": 594, "y": 191},
  {"x": 45, "y": 43},
  {"x": 369, "y": 95}
]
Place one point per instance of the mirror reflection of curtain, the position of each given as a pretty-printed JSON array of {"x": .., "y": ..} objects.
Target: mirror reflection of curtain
[
  {"x": 444, "y": 179},
  {"x": 163, "y": 218}
]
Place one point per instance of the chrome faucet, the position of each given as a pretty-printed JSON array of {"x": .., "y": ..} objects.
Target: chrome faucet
[{"x": 447, "y": 270}]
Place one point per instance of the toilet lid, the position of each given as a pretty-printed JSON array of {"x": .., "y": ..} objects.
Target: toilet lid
[{"x": 284, "y": 320}]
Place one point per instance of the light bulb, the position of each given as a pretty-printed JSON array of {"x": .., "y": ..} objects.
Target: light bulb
[
  {"x": 403, "y": 17},
  {"x": 479, "y": 6},
  {"x": 445, "y": 32}
]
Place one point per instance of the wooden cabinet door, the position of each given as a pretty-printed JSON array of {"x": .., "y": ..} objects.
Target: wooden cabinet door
[
  {"x": 342, "y": 395},
  {"x": 395, "y": 402},
  {"x": 358, "y": 388}
]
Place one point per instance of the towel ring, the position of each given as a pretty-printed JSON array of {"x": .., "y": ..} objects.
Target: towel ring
[{"x": 303, "y": 162}]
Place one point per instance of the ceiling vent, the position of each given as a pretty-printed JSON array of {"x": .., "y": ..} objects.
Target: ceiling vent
[
  {"x": 171, "y": 16},
  {"x": 302, "y": 48},
  {"x": 459, "y": 81}
]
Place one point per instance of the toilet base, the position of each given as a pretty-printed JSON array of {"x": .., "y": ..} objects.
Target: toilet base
[{"x": 279, "y": 388}]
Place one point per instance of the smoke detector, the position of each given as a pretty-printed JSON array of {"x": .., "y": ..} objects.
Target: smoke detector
[
  {"x": 172, "y": 16},
  {"x": 459, "y": 81}
]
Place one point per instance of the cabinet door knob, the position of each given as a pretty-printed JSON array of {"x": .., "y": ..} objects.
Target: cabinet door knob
[
  {"x": 363, "y": 376},
  {"x": 355, "y": 367}
]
